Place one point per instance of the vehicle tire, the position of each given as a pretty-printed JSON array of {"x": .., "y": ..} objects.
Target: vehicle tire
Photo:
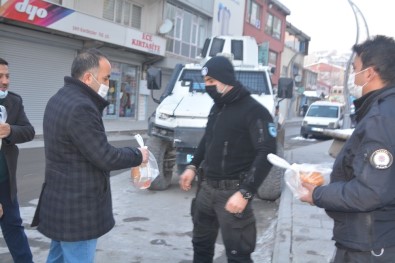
[
  {"x": 166, "y": 158},
  {"x": 271, "y": 187},
  {"x": 305, "y": 135}
]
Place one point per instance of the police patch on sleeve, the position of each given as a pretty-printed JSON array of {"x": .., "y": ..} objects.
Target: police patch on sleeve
[
  {"x": 381, "y": 159},
  {"x": 272, "y": 129}
]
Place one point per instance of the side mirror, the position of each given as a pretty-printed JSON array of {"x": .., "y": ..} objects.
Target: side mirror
[
  {"x": 154, "y": 78},
  {"x": 285, "y": 88}
]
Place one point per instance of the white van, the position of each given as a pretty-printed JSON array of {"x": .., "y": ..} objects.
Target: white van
[{"x": 322, "y": 115}]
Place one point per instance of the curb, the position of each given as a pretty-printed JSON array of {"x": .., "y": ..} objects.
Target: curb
[{"x": 282, "y": 242}]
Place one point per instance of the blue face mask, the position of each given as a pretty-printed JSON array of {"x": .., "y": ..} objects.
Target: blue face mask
[{"x": 3, "y": 94}]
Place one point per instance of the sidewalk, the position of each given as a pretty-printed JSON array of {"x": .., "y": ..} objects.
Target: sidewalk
[
  {"x": 303, "y": 232},
  {"x": 140, "y": 235}
]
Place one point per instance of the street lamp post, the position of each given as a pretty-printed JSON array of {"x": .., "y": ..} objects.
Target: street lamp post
[
  {"x": 358, "y": 16},
  {"x": 290, "y": 73}
]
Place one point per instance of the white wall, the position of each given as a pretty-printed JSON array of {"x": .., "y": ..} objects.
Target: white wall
[
  {"x": 228, "y": 17},
  {"x": 152, "y": 11}
]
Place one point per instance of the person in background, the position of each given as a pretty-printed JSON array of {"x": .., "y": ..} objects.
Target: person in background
[
  {"x": 75, "y": 206},
  {"x": 15, "y": 129},
  {"x": 360, "y": 197},
  {"x": 124, "y": 101},
  {"x": 239, "y": 135},
  {"x": 305, "y": 107}
]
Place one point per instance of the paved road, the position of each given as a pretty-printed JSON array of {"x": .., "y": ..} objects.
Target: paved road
[{"x": 151, "y": 226}]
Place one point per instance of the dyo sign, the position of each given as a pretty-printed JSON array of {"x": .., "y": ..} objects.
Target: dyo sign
[{"x": 31, "y": 10}]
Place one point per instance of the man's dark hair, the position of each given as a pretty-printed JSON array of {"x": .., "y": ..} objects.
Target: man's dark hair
[
  {"x": 378, "y": 52},
  {"x": 85, "y": 61},
  {"x": 3, "y": 62}
]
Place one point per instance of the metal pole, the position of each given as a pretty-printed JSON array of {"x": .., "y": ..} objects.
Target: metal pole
[
  {"x": 346, "y": 91},
  {"x": 290, "y": 74}
]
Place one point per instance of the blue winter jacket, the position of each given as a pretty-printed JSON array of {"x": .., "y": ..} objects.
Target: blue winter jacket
[{"x": 361, "y": 195}]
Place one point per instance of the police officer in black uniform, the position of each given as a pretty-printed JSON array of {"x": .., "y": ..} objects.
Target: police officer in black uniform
[
  {"x": 239, "y": 135},
  {"x": 361, "y": 195}
]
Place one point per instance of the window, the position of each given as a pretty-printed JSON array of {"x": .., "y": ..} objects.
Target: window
[
  {"x": 254, "y": 81},
  {"x": 188, "y": 34},
  {"x": 123, "y": 12},
  {"x": 237, "y": 49},
  {"x": 272, "y": 59},
  {"x": 196, "y": 79},
  {"x": 136, "y": 16},
  {"x": 123, "y": 93},
  {"x": 298, "y": 44},
  {"x": 254, "y": 13},
  {"x": 323, "y": 111},
  {"x": 273, "y": 26},
  {"x": 217, "y": 46}
]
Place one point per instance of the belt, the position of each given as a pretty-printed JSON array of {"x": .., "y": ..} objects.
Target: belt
[{"x": 223, "y": 184}]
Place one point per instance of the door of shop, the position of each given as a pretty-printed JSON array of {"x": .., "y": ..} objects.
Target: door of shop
[{"x": 123, "y": 91}]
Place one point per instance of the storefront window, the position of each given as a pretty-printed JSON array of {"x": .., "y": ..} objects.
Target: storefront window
[
  {"x": 128, "y": 92},
  {"x": 112, "y": 97},
  {"x": 122, "y": 95}
]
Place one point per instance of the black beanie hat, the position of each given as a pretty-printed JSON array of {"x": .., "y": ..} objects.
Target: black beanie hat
[{"x": 221, "y": 69}]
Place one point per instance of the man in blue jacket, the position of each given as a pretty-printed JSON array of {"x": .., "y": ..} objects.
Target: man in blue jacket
[
  {"x": 361, "y": 196},
  {"x": 75, "y": 206}
]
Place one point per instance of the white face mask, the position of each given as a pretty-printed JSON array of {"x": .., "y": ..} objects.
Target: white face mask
[
  {"x": 3, "y": 94},
  {"x": 358, "y": 89},
  {"x": 103, "y": 89}
]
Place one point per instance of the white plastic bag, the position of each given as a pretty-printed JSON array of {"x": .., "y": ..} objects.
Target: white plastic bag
[
  {"x": 144, "y": 174},
  {"x": 3, "y": 117},
  {"x": 317, "y": 174},
  {"x": 294, "y": 174}
]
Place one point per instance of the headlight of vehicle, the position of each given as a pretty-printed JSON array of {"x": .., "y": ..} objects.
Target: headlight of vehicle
[
  {"x": 332, "y": 125},
  {"x": 164, "y": 116}
]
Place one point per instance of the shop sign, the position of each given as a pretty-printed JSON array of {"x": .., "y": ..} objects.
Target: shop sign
[{"x": 45, "y": 14}]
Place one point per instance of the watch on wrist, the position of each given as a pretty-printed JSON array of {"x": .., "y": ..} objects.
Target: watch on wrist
[{"x": 246, "y": 195}]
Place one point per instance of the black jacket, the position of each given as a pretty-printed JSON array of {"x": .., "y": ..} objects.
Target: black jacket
[
  {"x": 76, "y": 201},
  {"x": 21, "y": 131},
  {"x": 361, "y": 195},
  {"x": 239, "y": 135}
]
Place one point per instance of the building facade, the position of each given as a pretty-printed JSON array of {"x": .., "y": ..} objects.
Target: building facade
[
  {"x": 265, "y": 20},
  {"x": 41, "y": 38},
  {"x": 296, "y": 46}
]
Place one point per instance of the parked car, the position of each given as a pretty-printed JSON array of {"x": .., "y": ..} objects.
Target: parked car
[{"x": 322, "y": 115}]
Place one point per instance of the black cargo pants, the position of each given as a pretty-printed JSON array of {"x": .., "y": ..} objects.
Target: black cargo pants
[{"x": 209, "y": 215}]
